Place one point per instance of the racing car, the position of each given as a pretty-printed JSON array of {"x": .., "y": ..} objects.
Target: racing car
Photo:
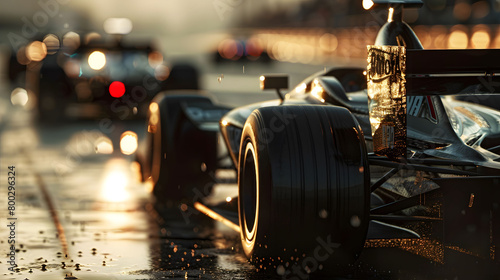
[
  {"x": 99, "y": 77},
  {"x": 348, "y": 155}
]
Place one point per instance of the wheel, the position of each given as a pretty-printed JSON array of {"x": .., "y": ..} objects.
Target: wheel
[
  {"x": 182, "y": 158},
  {"x": 303, "y": 185}
]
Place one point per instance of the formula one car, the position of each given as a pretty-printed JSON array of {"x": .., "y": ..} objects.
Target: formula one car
[
  {"x": 353, "y": 154},
  {"x": 97, "y": 77}
]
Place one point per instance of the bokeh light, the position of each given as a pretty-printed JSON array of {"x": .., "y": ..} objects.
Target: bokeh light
[
  {"x": 97, "y": 60},
  {"x": 367, "y": 4},
  {"x": 36, "y": 51},
  {"x": 328, "y": 42},
  {"x": 162, "y": 72},
  {"x": 153, "y": 107},
  {"x": 92, "y": 36},
  {"x": 117, "y": 89},
  {"x": 21, "y": 56},
  {"x": 458, "y": 39},
  {"x": 231, "y": 49},
  {"x": 19, "y": 97},
  {"x": 480, "y": 39},
  {"x": 119, "y": 26},
  {"x": 71, "y": 41},
  {"x": 103, "y": 145},
  {"x": 462, "y": 11},
  {"x": 480, "y": 9},
  {"x": 439, "y": 33},
  {"x": 52, "y": 42},
  {"x": 155, "y": 59}
]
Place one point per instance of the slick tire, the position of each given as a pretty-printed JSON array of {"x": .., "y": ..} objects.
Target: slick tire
[
  {"x": 182, "y": 158},
  {"x": 303, "y": 186}
]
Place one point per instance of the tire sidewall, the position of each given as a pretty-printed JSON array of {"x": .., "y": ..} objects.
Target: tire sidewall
[
  {"x": 251, "y": 137},
  {"x": 270, "y": 232}
]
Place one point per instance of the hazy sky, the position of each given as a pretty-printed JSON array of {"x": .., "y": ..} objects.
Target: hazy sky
[{"x": 168, "y": 21}]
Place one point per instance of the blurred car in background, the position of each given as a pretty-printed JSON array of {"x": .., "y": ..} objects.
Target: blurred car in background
[
  {"x": 100, "y": 79},
  {"x": 93, "y": 77}
]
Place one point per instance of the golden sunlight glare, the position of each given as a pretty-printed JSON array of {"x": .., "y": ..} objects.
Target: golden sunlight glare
[{"x": 116, "y": 181}]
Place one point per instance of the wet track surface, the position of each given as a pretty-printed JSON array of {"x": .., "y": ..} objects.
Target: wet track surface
[
  {"x": 85, "y": 214},
  {"x": 82, "y": 215}
]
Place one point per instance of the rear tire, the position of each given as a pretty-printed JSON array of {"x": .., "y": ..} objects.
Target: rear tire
[
  {"x": 182, "y": 158},
  {"x": 303, "y": 182}
]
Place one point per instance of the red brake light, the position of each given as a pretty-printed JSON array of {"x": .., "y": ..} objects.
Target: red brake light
[{"x": 117, "y": 89}]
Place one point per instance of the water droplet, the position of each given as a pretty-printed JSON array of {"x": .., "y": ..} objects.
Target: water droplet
[
  {"x": 355, "y": 221},
  {"x": 219, "y": 79},
  {"x": 323, "y": 214}
]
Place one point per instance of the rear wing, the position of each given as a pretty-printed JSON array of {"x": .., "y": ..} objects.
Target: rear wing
[
  {"x": 445, "y": 72},
  {"x": 395, "y": 73}
]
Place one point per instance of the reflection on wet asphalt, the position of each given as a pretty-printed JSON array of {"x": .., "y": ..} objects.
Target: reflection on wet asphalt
[{"x": 195, "y": 247}]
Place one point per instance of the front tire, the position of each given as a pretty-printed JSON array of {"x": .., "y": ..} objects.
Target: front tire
[{"x": 303, "y": 182}]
